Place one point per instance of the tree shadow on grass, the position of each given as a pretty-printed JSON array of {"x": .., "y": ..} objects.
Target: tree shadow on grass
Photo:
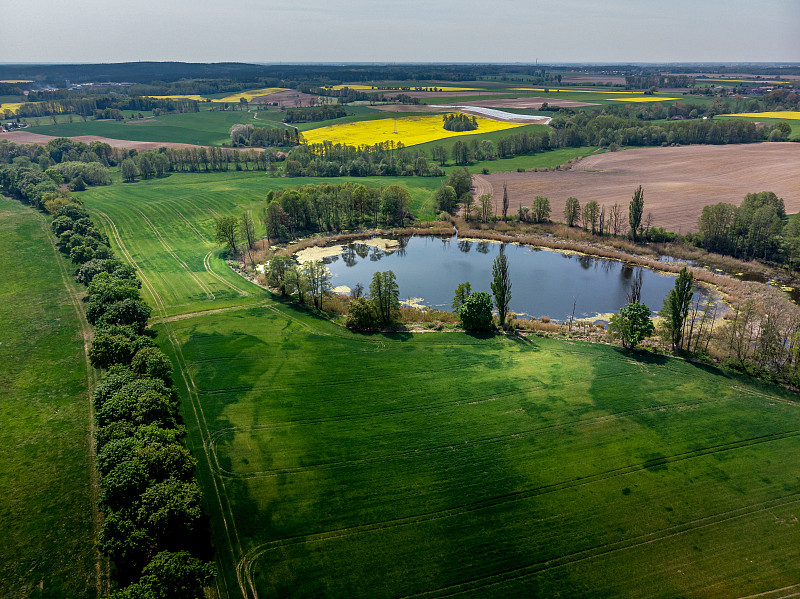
[{"x": 642, "y": 356}]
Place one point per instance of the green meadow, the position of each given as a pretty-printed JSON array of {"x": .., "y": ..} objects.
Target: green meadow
[
  {"x": 47, "y": 503},
  {"x": 206, "y": 128},
  {"x": 341, "y": 464}
]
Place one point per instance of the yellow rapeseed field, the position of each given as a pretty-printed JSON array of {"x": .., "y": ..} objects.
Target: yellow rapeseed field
[
  {"x": 411, "y": 130},
  {"x": 249, "y": 95},
  {"x": 568, "y": 90},
  {"x": 11, "y": 107},
  {"x": 793, "y": 115},
  {"x": 15, "y": 81},
  {"x": 642, "y": 99},
  {"x": 180, "y": 97}
]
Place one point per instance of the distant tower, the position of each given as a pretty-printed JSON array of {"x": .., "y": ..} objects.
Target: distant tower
[
  {"x": 68, "y": 83},
  {"x": 395, "y": 126}
]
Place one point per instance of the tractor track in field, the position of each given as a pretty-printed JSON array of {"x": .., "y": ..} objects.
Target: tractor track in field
[
  {"x": 226, "y": 514},
  {"x": 206, "y": 258},
  {"x": 209, "y": 294},
  {"x": 472, "y": 400},
  {"x": 245, "y": 565},
  {"x": 447, "y": 447},
  {"x": 575, "y": 557}
]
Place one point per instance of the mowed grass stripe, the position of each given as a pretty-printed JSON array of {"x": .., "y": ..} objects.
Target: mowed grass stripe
[{"x": 46, "y": 505}]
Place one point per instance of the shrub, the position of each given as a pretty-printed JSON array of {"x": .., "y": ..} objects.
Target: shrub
[
  {"x": 476, "y": 312},
  {"x": 361, "y": 314}
]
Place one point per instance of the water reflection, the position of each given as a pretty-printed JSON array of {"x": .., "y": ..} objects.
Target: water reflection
[{"x": 545, "y": 283}]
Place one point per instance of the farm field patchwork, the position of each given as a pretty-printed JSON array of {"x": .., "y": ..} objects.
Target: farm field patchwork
[
  {"x": 46, "y": 503},
  {"x": 399, "y": 465},
  {"x": 411, "y": 130}
]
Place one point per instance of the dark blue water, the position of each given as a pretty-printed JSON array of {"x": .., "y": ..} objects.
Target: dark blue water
[{"x": 544, "y": 283}]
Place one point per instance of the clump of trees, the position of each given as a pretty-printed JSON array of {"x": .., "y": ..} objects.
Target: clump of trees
[
  {"x": 459, "y": 122},
  {"x": 754, "y": 229},
  {"x": 328, "y": 207},
  {"x": 310, "y": 281},
  {"x": 311, "y": 115},
  {"x": 380, "y": 308},
  {"x": 248, "y": 135}
]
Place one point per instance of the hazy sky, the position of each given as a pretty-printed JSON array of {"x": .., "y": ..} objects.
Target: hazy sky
[{"x": 401, "y": 31}]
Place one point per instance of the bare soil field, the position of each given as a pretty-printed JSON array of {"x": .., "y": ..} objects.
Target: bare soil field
[
  {"x": 677, "y": 182},
  {"x": 290, "y": 99}
]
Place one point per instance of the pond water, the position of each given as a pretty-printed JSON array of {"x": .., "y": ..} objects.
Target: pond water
[{"x": 544, "y": 283}]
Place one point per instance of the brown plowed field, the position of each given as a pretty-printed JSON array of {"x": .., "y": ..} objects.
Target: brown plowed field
[{"x": 677, "y": 182}]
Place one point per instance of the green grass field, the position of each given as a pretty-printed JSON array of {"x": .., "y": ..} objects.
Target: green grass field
[
  {"x": 208, "y": 128},
  {"x": 339, "y": 464},
  {"x": 346, "y": 465},
  {"x": 46, "y": 498}
]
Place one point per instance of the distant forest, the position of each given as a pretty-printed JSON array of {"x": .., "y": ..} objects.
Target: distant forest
[{"x": 161, "y": 74}]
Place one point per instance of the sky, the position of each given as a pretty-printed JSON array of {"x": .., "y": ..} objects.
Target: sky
[{"x": 556, "y": 31}]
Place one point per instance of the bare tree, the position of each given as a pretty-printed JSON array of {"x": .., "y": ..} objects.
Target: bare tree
[
  {"x": 505, "y": 201},
  {"x": 248, "y": 229}
]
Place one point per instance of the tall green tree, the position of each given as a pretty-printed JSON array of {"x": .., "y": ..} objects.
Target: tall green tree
[
  {"x": 228, "y": 232},
  {"x": 632, "y": 324},
  {"x": 476, "y": 312},
  {"x": 394, "y": 204},
  {"x": 501, "y": 286},
  {"x": 591, "y": 215},
  {"x": 572, "y": 211},
  {"x": 460, "y": 180},
  {"x": 319, "y": 281},
  {"x": 128, "y": 170},
  {"x": 635, "y": 211},
  {"x": 541, "y": 209},
  {"x": 445, "y": 198},
  {"x": 248, "y": 229},
  {"x": 461, "y": 294},
  {"x": 676, "y": 307},
  {"x": 384, "y": 293}
]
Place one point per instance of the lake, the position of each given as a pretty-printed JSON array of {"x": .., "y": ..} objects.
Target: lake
[{"x": 544, "y": 282}]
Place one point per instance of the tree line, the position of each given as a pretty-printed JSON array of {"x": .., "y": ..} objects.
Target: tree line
[
  {"x": 96, "y": 106},
  {"x": 154, "y": 530},
  {"x": 248, "y": 135}
]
